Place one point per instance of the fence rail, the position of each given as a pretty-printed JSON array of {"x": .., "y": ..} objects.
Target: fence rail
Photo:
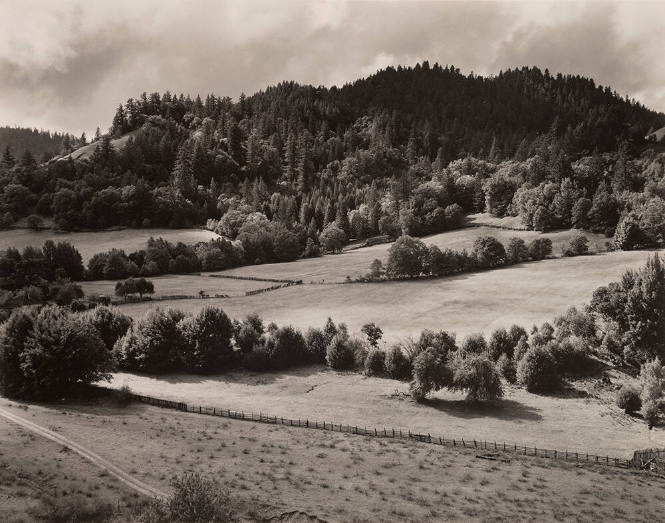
[
  {"x": 391, "y": 433},
  {"x": 252, "y": 278}
]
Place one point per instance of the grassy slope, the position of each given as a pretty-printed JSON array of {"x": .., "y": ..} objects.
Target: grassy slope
[
  {"x": 89, "y": 243},
  {"x": 35, "y": 471},
  {"x": 335, "y": 268},
  {"x": 525, "y": 294},
  {"x": 342, "y": 477},
  {"x": 577, "y": 420}
]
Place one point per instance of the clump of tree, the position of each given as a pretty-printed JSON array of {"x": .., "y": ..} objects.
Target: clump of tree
[{"x": 132, "y": 286}]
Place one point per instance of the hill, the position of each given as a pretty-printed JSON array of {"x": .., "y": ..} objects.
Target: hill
[
  {"x": 43, "y": 145},
  {"x": 657, "y": 136}
]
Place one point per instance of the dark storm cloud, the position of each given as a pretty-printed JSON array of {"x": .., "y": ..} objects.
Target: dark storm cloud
[{"x": 67, "y": 64}]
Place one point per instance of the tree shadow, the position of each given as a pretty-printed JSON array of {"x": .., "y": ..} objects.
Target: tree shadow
[{"x": 503, "y": 409}]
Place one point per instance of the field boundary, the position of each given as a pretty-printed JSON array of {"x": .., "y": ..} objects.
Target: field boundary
[
  {"x": 391, "y": 433},
  {"x": 253, "y": 278}
]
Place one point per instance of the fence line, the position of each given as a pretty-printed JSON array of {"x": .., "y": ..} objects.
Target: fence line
[
  {"x": 273, "y": 288},
  {"x": 392, "y": 433},
  {"x": 252, "y": 278},
  {"x": 643, "y": 458}
]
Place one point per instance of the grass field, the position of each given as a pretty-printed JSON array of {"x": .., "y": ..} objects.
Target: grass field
[
  {"x": 90, "y": 243},
  {"x": 335, "y": 268},
  {"x": 187, "y": 284},
  {"x": 476, "y": 302},
  {"x": 38, "y": 478},
  {"x": 271, "y": 470},
  {"x": 582, "y": 419}
]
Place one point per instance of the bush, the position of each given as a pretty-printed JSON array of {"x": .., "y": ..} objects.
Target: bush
[
  {"x": 537, "y": 370},
  {"x": 123, "y": 396},
  {"x": 207, "y": 341},
  {"x": 247, "y": 338},
  {"x": 375, "y": 362},
  {"x": 13, "y": 336},
  {"x": 109, "y": 322},
  {"x": 398, "y": 366},
  {"x": 340, "y": 353},
  {"x": 429, "y": 373},
  {"x": 154, "y": 344},
  {"x": 61, "y": 351},
  {"x": 652, "y": 379},
  {"x": 540, "y": 248},
  {"x": 500, "y": 343},
  {"x": 520, "y": 349},
  {"x": 35, "y": 222},
  {"x": 489, "y": 252},
  {"x": 439, "y": 340},
  {"x": 478, "y": 376},
  {"x": 257, "y": 359},
  {"x": 316, "y": 345},
  {"x": 507, "y": 368},
  {"x": 578, "y": 246},
  {"x": 286, "y": 348},
  {"x": 571, "y": 357},
  {"x": 474, "y": 344},
  {"x": 629, "y": 400}
]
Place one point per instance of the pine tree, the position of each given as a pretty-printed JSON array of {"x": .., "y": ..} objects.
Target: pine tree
[
  {"x": 182, "y": 176},
  {"x": 290, "y": 158},
  {"x": 8, "y": 161},
  {"x": 305, "y": 166}
]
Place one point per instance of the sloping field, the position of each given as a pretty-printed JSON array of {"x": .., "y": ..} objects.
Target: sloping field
[
  {"x": 335, "y": 268},
  {"x": 577, "y": 421},
  {"x": 90, "y": 243},
  {"x": 272, "y": 470},
  {"x": 186, "y": 284},
  {"x": 476, "y": 302}
]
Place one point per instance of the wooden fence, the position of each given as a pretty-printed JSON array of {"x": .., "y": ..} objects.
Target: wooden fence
[
  {"x": 391, "y": 433},
  {"x": 645, "y": 458},
  {"x": 252, "y": 278}
]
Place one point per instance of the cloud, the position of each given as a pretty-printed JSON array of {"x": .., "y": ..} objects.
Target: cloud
[{"x": 66, "y": 65}]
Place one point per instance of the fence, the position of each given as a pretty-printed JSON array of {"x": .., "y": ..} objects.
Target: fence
[
  {"x": 391, "y": 433},
  {"x": 273, "y": 288},
  {"x": 646, "y": 457},
  {"x": 252, "y": 278}
]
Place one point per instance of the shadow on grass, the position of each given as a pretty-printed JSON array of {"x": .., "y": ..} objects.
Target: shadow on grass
[{"x": 504, "y": 409}]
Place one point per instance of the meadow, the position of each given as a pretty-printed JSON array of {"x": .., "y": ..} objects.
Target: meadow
[
  {"x": 90, "y": 243},
  {"x": 273, "y": 470},
  {"x": 525, "y": 294}
]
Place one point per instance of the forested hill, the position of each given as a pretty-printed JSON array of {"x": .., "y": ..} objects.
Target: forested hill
[
  {"x": 43, "y": 145},
  {"x": 406, "y": 150}
]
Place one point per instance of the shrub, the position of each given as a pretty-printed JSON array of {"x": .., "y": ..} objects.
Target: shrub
[
  {"x": 651, "y": 412},
  {"x": 257, "y": 359},
  {"x": 406, "y": 258},
  {"x": 340, "y": 353},
  {"x": 489, "y": 251},
  {"x": 154, "y": 344},
  {"x": 500, "y": 343},
  {"x": 375, "y": 362},
  {"x": 207, "y": 341},
  {"x": 62, "y": 350},
  {"x": 123, "y": 396},
  {"x": 520, "y": 349},
  {"x": 194, "y": 499},
  {"x": 652, "y": 379},
  {"x": 398, "y": 366},
  {"x": 507, "y": 368},
  {"x": 478, "y": 376},
  {"x": 286, "y": 348},
  {"x": 439, "y": 340},
  {"x": 571, "y": 356},
  {"x": 516, "y": 251},
  {"x": 578, "y": 246},
  {"x": 537, "y": 370},
  {"x": 247, "y": 337},
  {"x": 429, "y": 373},
  {"x": 474, "y": 344},
  {"x": 109, "y": 322},
  {"x": 629, "y": 400},
  {"x": 316, "y": 345},
  {"x": 540, "y": 248}
]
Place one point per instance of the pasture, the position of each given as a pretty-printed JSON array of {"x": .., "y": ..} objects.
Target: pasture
[
  {"x": 271, "y": 470},
  {"x": 90, "y": 243},
  {"x": 525, "y": 294},
  {"x": 353, "y": 263},
  {"x": 186, "y": 284}
]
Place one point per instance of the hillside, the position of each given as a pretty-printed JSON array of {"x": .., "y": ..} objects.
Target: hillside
[
  {"x": 41, "y": 144},
  {"x": 657, "y": 136}
]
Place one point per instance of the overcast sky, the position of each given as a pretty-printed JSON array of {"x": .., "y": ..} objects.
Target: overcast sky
[{"x": 66, "y": 64}]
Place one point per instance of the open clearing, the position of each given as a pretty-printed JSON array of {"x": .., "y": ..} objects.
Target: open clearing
[
  {"x": 90, "y": 243},
  {"x": 476, "y": 302},
  {"x": 353, "y": 263},
  {"x": 341, "y": 477},
  {"x": 187, "y": 284},
  {"x": 584, "y": 420}
]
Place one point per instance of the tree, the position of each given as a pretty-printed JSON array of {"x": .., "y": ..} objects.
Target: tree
[
  {"x": 144, "y": 286},
  {"x": 474, "y": 344},
  {"x": 540, "y": 248},
  {"x": 332, "y": 238},
  {"x": 537, "y": 370},
  {"x": 316, "y": 345},
  {"x": 628, "y": 234},
  {"x": 109, "y": 322},
  {"x": 500, "y": 343},
  {"x": 628, "y": 399},
  {"x": 35, "y": 222},
  {"x": 375, "y": 362},
  {"x": 286, "y": 348},
  {"x": 340, "y": 354},
  {"x": 406, "y": 258},
  {"x": 489, "y": 251},
  {"x": 652, "y": 379},
  {"x": 430, "y": 373},
  {"x": 478, "y": 376},
  {"x": 207, "y": 341},
  {"x": 580, "y": 212},
  {"x": 13, "y": 336},
  {"x": 373, "y": 333},
  {"x": 516, "y": 251},
  {"x": 62, "y": 351},
  {"x": 398, "y": 366},
  {"x": 376, "y": 269},
  {"x": 577, "y": 246}
]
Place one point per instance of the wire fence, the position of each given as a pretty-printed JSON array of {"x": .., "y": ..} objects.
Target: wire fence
[{"x": 391, "y": 433}]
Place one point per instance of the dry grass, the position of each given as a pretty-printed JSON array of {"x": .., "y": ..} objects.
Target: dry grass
[
  {"x": 90, "y": 243},
  {"x": 40, "y": 479},
  {"x": 341, "y": 477},
  {"x": 523, "y": 294},
  {"x": 577, "y": 420},
  {"x": 186, "y": 284}
]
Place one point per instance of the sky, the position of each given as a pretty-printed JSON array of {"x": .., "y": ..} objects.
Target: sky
[{"x": 65, "y": 65}]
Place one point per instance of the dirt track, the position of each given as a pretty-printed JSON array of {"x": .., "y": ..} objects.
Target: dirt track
[{"x": 123, "y": 476}]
